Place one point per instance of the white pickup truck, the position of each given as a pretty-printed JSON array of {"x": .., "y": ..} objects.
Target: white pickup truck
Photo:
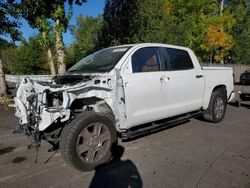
[{"x": 123, "y": 91}]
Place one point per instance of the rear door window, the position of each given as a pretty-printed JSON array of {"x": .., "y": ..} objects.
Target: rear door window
[{"x": 179, "y": 59}]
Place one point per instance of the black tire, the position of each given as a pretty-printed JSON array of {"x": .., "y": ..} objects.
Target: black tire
[
  {"x": 80, "y": 133},
  {"x": 237, "y": 103},
  {"x": 215, "y": 113}
]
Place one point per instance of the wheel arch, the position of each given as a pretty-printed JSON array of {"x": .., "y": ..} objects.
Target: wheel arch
[
  {"x": 207, "y": 96},
  {"x": 221, "y": 87},
  {"x": 95, "y": 104}
]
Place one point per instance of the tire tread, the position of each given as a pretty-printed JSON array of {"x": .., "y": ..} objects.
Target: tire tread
[
  {"x": 67, "y": 137},
  {"x": 208, "y": 113}
]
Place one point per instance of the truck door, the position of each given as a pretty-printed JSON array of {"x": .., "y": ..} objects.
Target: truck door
[
  {"x": 145, "y": 87},
  {"x": 186, "y": 82}
]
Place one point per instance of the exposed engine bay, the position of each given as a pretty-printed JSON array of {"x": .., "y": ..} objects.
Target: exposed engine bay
[{"x": 44, "y": 108}]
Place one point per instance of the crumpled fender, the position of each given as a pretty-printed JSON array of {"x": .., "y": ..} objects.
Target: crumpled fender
[
  {"x": 21, "y": 111},
  {"x": 100, "y": 87}
]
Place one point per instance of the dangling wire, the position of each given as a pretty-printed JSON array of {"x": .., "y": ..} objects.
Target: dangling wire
[
  {"x": 36, "y": 154},
  {"x": 50, "y": 157}
]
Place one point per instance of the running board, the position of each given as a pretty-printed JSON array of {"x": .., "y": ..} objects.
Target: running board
[{"x": 133, "y": 133}]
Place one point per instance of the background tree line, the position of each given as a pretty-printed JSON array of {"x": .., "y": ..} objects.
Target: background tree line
[{"x": 217, "y": 30}]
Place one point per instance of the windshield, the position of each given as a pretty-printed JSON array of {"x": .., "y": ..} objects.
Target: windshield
[{"x": 100, "y": 61}]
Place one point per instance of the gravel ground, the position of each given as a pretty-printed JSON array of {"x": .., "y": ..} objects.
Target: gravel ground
[{"x": 194, "y": 154}]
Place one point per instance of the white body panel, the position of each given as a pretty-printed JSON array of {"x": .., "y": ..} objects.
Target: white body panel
[
  {"x": 134, "y": 98},
  {"x": 146, "y": 97},
  {"x": 185, "y": 92},
  {"x": 216, "y": 76},
  {"x": 149, "y": 99}
]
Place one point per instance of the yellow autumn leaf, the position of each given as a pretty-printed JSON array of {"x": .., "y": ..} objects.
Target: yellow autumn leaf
[{"x": 216, "y": 38}]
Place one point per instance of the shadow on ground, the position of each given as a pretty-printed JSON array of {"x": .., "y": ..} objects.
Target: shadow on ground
[
  {"x": 6, "y": 150},
  {"x": 18, "y": 159},
  {"x": 245, "y": 105},
  {"x": 240, "y": 104},
  {"x": 117, "y": 173}
]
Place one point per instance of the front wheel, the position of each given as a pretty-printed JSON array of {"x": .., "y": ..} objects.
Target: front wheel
[
  {"x": 217, "y": 107},
  {"x": 86, "y": 142}
]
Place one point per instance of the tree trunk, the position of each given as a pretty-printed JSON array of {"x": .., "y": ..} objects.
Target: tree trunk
[
  {"x": 3, "y": 88},
  {"x": 60, "y": 49},
  {"x": 49, "y": 55},
  {"x": 51, "y": 63},
  {"x": 221, "y": 7},
  {"x": 221, "y": 12}
]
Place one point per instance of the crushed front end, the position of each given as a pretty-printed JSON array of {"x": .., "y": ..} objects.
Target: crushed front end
[
  {"x": 38, "y": 107},
  {"x": 43, "y": 108}
]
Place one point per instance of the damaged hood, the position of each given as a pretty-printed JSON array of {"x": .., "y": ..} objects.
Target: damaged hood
[
  {"x": 71, "y": 79},
  {"x": 68, "y": 82}
]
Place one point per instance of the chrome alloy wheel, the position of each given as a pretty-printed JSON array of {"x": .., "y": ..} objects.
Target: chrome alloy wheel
[
  {"x": 93, "y": 142},
  {"x": 219, "y": 107}
]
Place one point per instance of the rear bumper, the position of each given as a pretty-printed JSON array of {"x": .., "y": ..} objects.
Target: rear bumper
[
  {"x": 245, "y": 96},
  {"x": 231, "y": 96}
]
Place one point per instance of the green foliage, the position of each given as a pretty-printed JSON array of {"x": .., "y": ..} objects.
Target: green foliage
[
  {"x": 185, "y": 22},
  {"x": 38, "y": 13},
  {"x": 5, "y": 102},
  {"x": 8, "y": 56},
  {"x": 29, "y": 58},
  {"x": 150, "y": 22},
  {"x": 4, "y": 44},
  {"x": 8, "y": 20},
  {"x": 217, "y": 42},
  {"x": 32, "y": 10},
  {"x": 240, "y": 10},
  {"x": 119, "y": 22},
  {"x": 8, "y": 27},
  {"x": 86, "y": 33},
  {"x": 181, "y": 22},
  {"x": 192, "y": 23},
  {"x": 176, "y": 22},
  {"x": 86, "y": 38}
]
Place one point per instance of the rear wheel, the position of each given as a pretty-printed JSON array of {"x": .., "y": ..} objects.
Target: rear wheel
[
  {"x": 217, "y": 107},
  {"x": 237, "y": 103},
  {"x": 86, "y": 142}
]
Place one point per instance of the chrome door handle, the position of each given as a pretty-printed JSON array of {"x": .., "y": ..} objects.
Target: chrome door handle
[
  {"x": 199, "y": 76},
  {"x": 164, "y": 78}
]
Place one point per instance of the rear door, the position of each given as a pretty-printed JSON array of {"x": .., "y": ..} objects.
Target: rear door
[
  {"x": 145, "y": 86},
  {"x": 186, "y": 83}
]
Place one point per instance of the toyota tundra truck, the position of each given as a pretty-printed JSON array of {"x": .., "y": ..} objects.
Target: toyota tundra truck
[{"x": 119, "y": 92}]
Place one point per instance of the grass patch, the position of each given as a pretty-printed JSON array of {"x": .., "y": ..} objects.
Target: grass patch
[{"x": 5, "y": 102}]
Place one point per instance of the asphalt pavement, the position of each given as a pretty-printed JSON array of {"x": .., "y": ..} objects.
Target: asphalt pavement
[{"x": 193, "y": 154}]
